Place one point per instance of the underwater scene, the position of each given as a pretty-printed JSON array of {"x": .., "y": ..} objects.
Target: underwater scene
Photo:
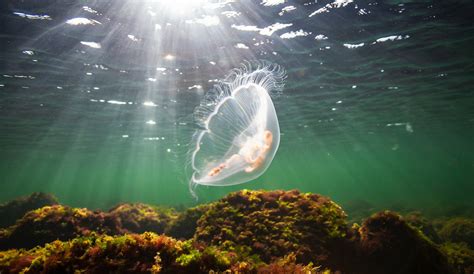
[{"x": 236, "y": 136}]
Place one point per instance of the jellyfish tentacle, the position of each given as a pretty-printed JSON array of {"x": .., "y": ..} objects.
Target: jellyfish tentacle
[{"x": 267, "y": 75}]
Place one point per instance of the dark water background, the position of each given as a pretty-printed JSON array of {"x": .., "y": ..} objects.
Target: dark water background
[{"x": 390, "y": 121}]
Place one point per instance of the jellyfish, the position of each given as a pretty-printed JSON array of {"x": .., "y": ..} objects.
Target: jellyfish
[{"x": 238, "y": 133}]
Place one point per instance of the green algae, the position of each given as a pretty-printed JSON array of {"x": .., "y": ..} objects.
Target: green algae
[{"x": 244, "y": 232}]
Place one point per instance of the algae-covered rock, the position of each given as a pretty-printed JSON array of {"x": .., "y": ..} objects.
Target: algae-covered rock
[
  {"x": 96, "y": 254},
  {"x": 271, "y": 224},
  {"x": 418, "y": 221},
  {"x": 458, "y": 230},
  {"x": 138, "y": 253},
  {"x": 60, "y": 222},
  {"x": 460, "y": 256},
  {"x": 55, "y": 222},
  {"x": 389, "y": 245},
  {"x": 245, "y": 232},
  {"x": 184, "y": 226},
  {"x": 139, "y": 218},
  {"x": 14, "y": 210},
  {"x": 135, "y": 253},
  {"x": 288, "y": 264}
]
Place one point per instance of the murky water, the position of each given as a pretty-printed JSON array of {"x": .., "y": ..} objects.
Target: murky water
[{"x": 97, "y": 97}]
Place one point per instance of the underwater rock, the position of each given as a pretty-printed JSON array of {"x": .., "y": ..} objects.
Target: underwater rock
[
  {"x": 55, "y": 222},
  {"x": 288, "y": 265},
  {"x": 184, "y": 226},
  {"x": 271, "y": 224},
  {"x": 136, "y": 253},
  {"x": 458, "y": 230},
  {"x": 244, "y": 232},
  {"x": 144, "y": 253},
  {"x": 14, "y": 210},
  {"x": 418, "y": 221},
  {"x": 139, "y": 218},
  {"x": 60, "y": 222},
  {"x": 389, "y": 245},
  {"x": 460, "y": 256}
]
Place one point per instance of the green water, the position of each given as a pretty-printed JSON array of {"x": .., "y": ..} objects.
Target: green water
[
  {"x": 391, "y": 122},
  {"x": 422, "y": 172}
]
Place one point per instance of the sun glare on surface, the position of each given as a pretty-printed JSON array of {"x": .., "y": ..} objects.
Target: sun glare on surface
[{"x": 181, "y": 7}]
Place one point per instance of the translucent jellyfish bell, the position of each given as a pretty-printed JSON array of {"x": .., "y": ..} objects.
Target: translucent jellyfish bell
[{"x": 239, "y": 133}]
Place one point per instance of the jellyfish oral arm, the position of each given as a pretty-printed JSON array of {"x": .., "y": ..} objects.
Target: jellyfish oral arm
[
  {"x": 229, "y": 162},
  {"x": 248, "y": 154},
  {"x": 217, "y": 170},
  {"x": 263, "y": 151}
]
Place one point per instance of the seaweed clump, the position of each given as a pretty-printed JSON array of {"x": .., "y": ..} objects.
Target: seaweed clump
[
  {"x": 458, "y": 230},
  {"x": 135, "y": 253},
  {"x": 389, "y": 245},
  {"x": 55, "y": 222},
  {"x": 416, "y": 220},
  {"x": 460, "y": 256},
  {"x": 15, "y": 209},
  {"x": 272, "y": 224},
  {"x": 60, "y": 222},
  {"x": 288, "y": 264},
  {"x": 139, "y": 218},
  {"x": 244, "y": 232},
  {"x": 185, "y": 225}
]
